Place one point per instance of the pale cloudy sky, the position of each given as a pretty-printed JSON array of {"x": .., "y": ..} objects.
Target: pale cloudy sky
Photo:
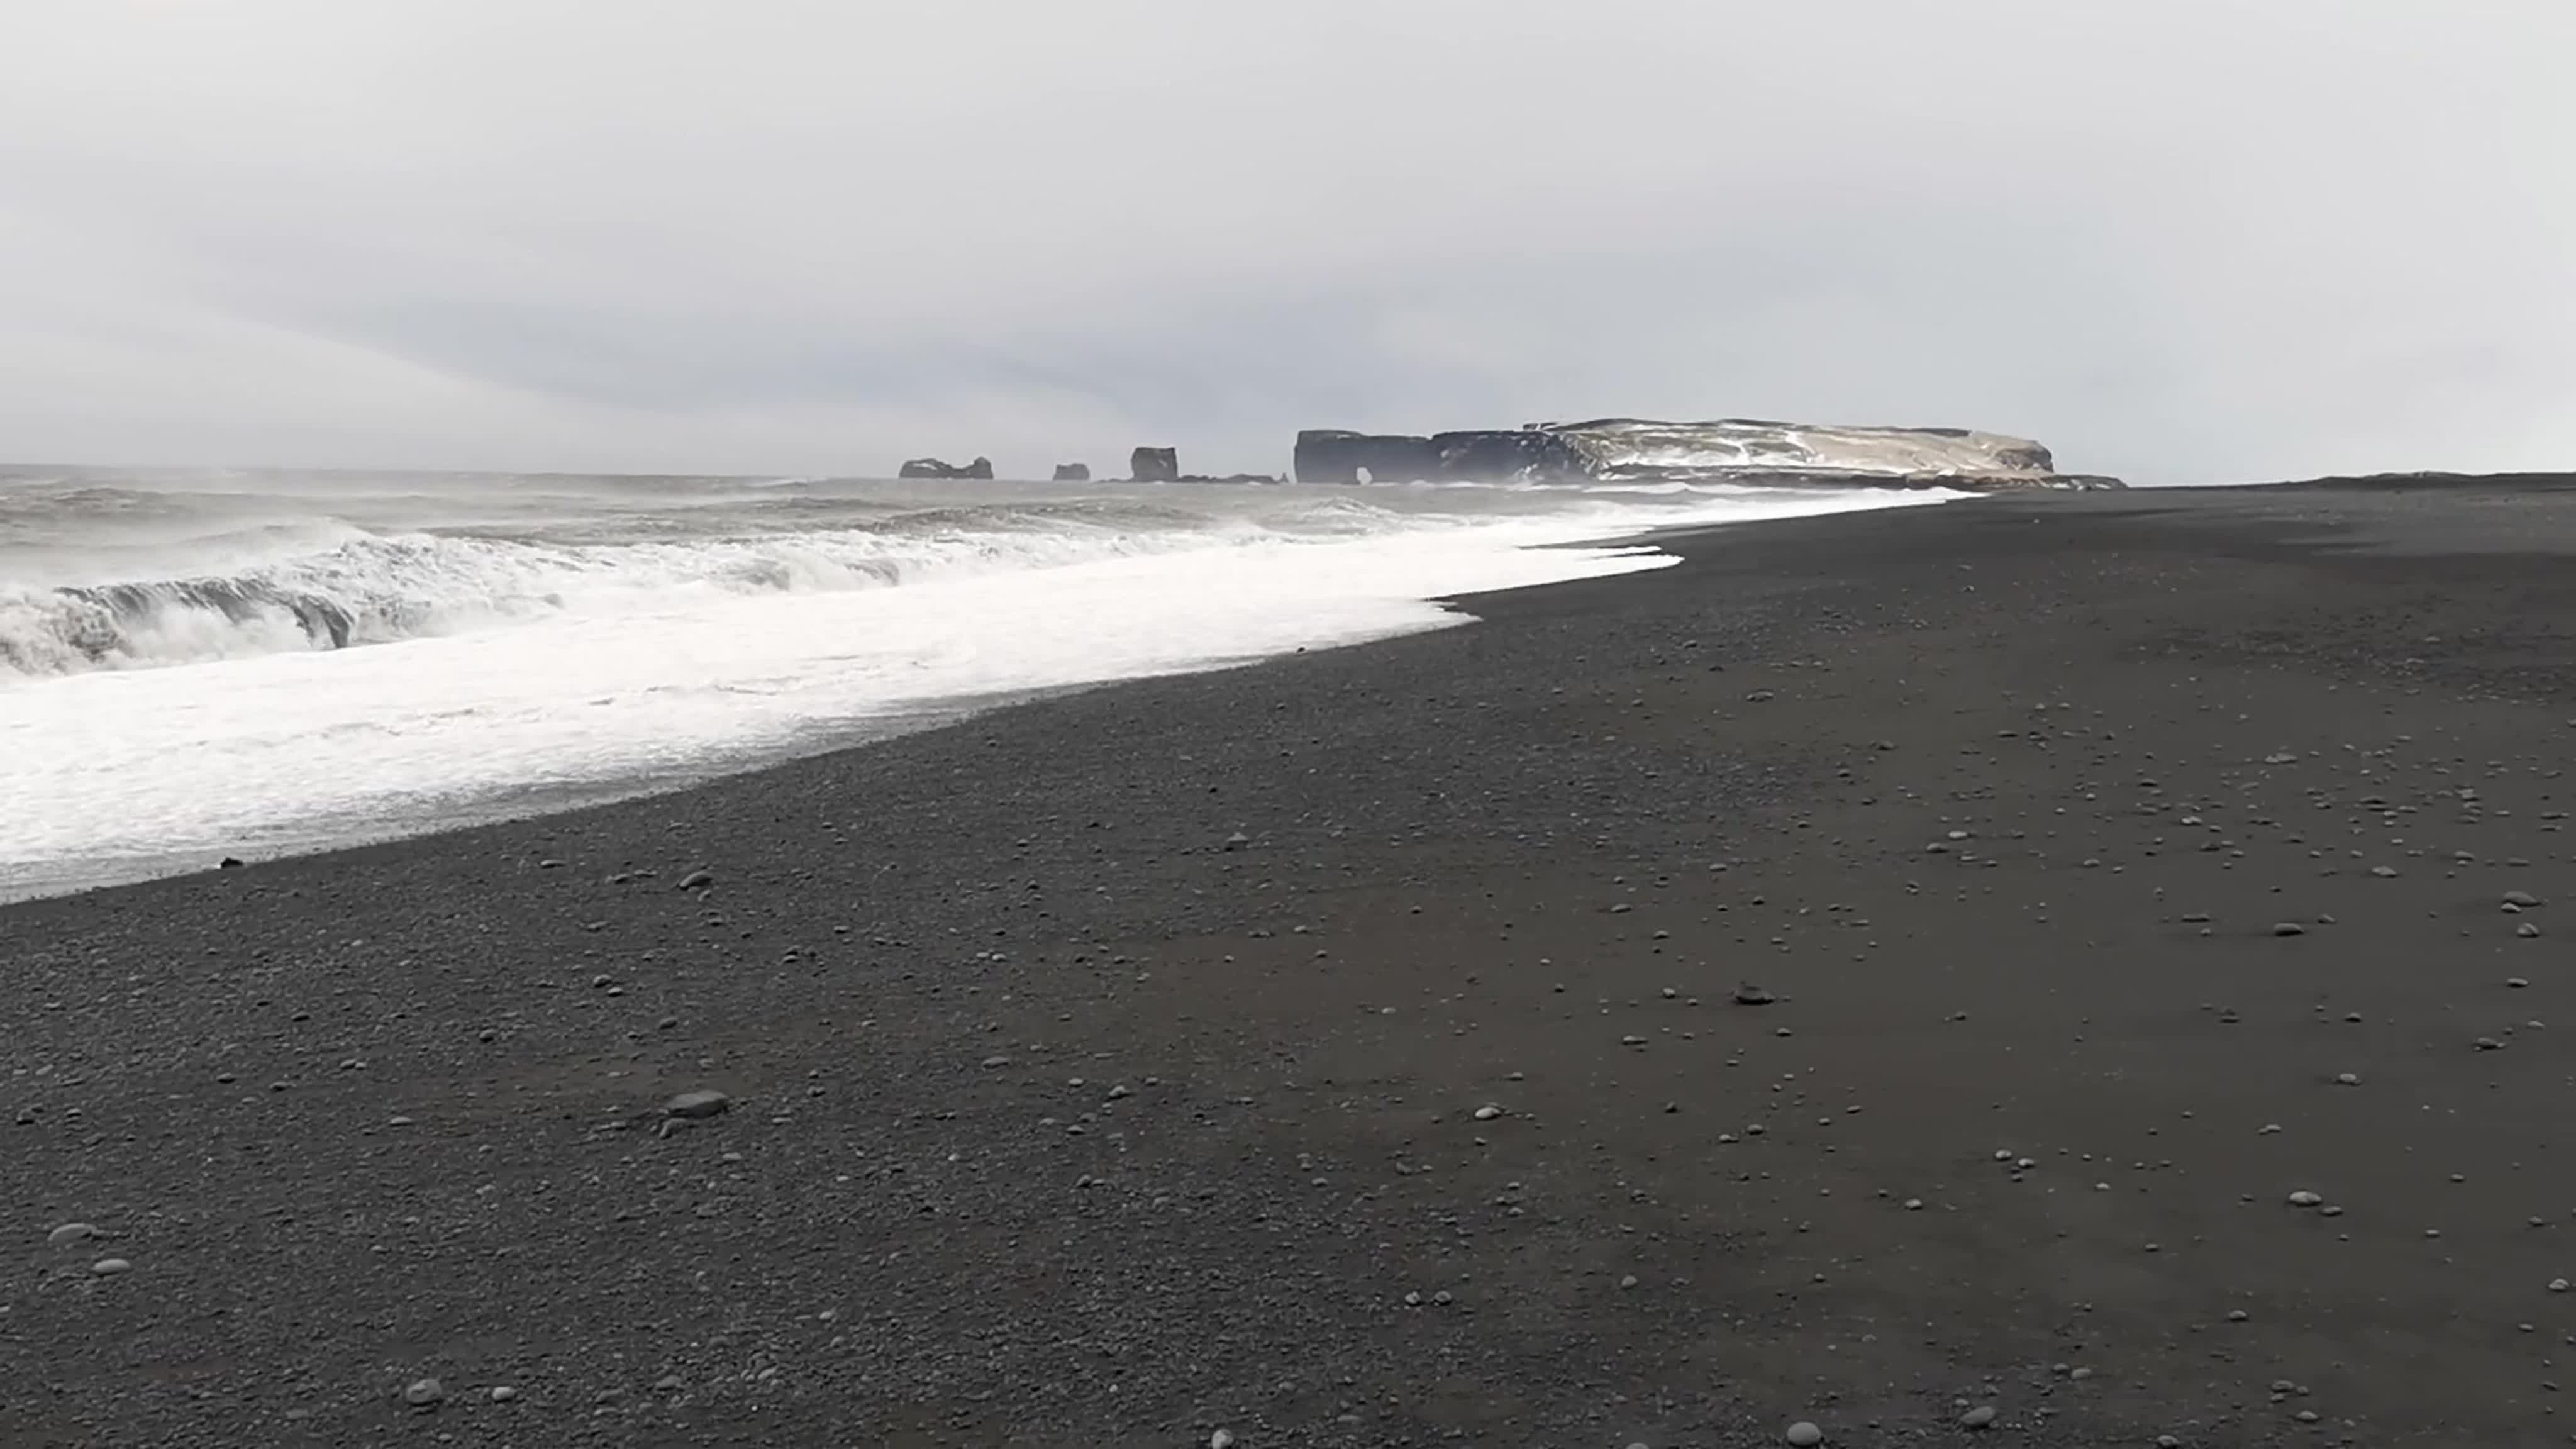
[{"x": 2183, "y": 240}]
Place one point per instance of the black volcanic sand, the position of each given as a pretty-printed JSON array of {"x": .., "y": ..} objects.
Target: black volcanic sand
[{"x": 1060, "y": 1120}]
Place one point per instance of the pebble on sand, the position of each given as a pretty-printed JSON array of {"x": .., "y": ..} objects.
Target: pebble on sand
[
  {"x": 1805, "y": 1435},
  {"x": 110, "y": 1267},
  {"x": 696, "y": 879},
  {"x": 503, "y": 1393},
  {"x": 1488, "y": 1113},
  {"x": 424, "y": 1393},
  {"x": 1978, "y": 1418},
  {"x": 2305, "y": 1198},
  {"x": 704, "y": 1102},
  {"x": 2288, "y": 928},
  {"x": 1221, "y": 1439},
  {"x": 70, "y": 1233}
]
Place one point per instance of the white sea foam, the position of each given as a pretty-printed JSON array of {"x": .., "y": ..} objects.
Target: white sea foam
[
  {"x": 491, "y": 675},
  {"x": 368, "y": 589}
]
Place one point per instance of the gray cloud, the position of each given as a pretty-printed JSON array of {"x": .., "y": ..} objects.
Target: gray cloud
[{"x": 2190, "y": 241}]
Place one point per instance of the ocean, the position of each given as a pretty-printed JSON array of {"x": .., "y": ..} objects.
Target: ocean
[{"x": 203, "y": 663}]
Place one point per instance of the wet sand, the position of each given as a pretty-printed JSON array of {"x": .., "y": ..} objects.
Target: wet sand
[{"x": 1348, "y": 1050}]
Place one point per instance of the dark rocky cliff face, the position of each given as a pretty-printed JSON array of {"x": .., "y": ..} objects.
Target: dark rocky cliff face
[
  {"x": 1155, "y": 465},
  {"x": 1524, "y": 454},
  {"x": 1073, "y": 472}
]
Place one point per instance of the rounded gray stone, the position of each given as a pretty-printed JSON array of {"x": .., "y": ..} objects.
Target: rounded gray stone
[
  {"x": 704, "y": 1102},
  {"x": 1805, "y": 1435}
]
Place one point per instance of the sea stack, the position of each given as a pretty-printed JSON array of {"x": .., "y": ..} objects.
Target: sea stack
[
  {"x": 1155, "y": 465},
  {"x": 1072, "y": 472}
]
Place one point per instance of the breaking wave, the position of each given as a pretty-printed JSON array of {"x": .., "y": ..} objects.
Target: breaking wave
[{"x": 372, "y": 589}]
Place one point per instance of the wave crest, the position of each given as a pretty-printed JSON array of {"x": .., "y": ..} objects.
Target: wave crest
[{"x": 374, "y": 590}]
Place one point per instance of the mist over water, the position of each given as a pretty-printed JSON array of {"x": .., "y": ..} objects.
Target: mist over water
[{"x": 202, "y": 663}]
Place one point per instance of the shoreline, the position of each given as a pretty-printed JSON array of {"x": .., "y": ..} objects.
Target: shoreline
[
  {"x": 468, "y": 804},
  {"x": 483, "y": 807},
  {"x": 1836, "y": 977}
]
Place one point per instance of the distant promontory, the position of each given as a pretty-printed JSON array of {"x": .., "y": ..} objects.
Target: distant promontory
[
  {"x": 1632, "y": 450},
  {"x": 1609, "y": 450}
]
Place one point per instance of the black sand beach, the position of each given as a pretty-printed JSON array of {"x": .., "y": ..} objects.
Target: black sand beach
[{"x": 1116, "y": 1069}]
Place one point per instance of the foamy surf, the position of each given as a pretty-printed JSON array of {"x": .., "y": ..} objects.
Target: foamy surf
[{"x": 417, "y": 658}]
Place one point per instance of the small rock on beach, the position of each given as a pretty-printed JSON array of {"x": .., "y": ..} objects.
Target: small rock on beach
[{"x": 703, "y": 1102}]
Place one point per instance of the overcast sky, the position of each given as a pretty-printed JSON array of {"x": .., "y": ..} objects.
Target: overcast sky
[{"x": 2184, "y": 240}]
